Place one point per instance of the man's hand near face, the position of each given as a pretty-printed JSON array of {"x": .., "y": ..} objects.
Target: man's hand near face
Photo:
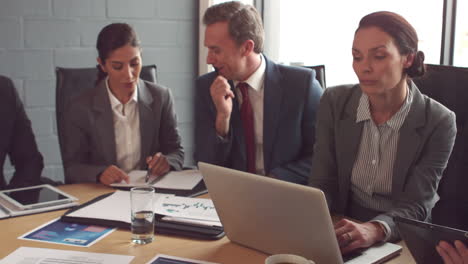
[{"x": 222, "y": 96}]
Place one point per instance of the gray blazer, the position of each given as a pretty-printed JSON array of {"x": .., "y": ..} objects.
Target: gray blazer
[
  {"x": 89, "y": 131},
  {"x": 426, "y": 140}
]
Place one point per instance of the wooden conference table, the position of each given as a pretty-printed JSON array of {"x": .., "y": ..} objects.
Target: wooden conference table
[{"x": 118, "y": 242}]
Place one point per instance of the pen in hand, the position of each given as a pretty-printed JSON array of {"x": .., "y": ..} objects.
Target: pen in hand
[
  {"x": 158, "y": 166},
  {"x": 148, "y": 174}
]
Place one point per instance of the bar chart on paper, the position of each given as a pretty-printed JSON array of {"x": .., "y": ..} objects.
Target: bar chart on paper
[{"x": 192, "y": 208}]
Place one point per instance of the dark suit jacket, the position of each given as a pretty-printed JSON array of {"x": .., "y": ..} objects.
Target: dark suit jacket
[
  {"x": 426, "y": 140},
  {"x": 291, "y": 97},
  {"x": 452, "y": 208},
  {"x": 89, "y": 131},
  {"x": 17, "y": 140}
]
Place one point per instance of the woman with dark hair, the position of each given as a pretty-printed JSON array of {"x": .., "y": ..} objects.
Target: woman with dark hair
[
  {"x": 124, "y": 123},
  {"x": 381, "y": 145}
]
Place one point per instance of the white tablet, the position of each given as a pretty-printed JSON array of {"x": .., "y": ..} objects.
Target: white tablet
[{"x": 36, "y": 197}]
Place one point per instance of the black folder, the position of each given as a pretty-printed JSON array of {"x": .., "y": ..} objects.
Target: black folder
[
  {"x": 161, "y": 226},
  {"x": 199, "y": 189}
]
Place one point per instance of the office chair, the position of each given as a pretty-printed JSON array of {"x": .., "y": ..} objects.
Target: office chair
[
  {"x": 319, "y": 74},
  {"x": 72, "y": 82},
  {"x": 449, "y": 86}
]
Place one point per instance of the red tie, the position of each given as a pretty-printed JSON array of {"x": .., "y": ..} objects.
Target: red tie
[{"x": 248, "y": 124}]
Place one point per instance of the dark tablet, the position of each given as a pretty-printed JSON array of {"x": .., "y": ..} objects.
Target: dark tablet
[{"x": 421, "y": 238}]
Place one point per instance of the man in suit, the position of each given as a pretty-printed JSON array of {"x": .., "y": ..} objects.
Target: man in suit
[
  {"x": 252, "y": 114},
  {"x": 17, "y": 140}
]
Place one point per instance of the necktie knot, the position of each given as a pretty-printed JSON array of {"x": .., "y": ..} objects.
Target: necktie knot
[{"x": 244, "y": 89}]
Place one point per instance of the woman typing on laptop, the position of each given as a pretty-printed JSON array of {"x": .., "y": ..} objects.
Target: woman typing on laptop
[
  {"x": 381, "y": 145},
  {"x": 124, "y": 123}
]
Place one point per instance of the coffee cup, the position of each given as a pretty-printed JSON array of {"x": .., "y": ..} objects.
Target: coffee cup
[{"x": 287, "y": 259}]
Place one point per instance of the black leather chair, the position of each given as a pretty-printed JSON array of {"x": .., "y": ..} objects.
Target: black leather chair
[
  {"x": 320, "y": 74},
  {"x": 449, "y": 86},
  {"x": 71, "y": 82}
]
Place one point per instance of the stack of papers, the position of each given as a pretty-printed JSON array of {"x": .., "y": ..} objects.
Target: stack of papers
[
  {"x": 178, "y": 209},
  {"x": 188, "y": 210},
  {"x": 42, "y": 255}
]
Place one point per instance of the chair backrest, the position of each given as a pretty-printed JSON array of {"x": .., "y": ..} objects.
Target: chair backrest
[
  {"x": 449, "y": 86},
  {"x": 319, "y": 74},
  {"x": 72, "y": 82}
]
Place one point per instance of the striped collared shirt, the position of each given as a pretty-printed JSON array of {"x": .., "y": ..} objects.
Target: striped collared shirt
[{"x": 371, "y": 178}]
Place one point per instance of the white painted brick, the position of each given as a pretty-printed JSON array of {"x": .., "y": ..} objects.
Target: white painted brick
[
  {"x": 49, "y": 147},
  {"x": 184, "y": 110},
  {"x": 53, "y": 172},
  {"x": 188, "y": 158},
  {"x": 156, "y": 33},
  {"x": 131, "y": 9},
  {"x": 25, "y": 8},
  {"x": 177, "y": 9},
  {"x": 187, "y": 34},
  {"x": 75, "y": 58},
  {"x": 54, "y": 124},
  {"x": 40, "y": 93},
  {"x": 10, "y": 30},
  {"x": 182, "y": 85},
  {"x": 51, "y": 33},
  {"x": 186, "y": 132},
  {"x": 18, "y": 83},
  {"x": 30, "y": 64},
  {"x": 181, "y": 60},
  {"x": 89, "y": 30},
  {"x": 7, "y": 165},
  {"x": 8, "y": 173},
  {"x": 81, "y": 8},
  {"x": 41, "y": 120}
]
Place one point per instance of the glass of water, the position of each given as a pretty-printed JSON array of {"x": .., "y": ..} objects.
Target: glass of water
[{"x": 142, "y": 212}]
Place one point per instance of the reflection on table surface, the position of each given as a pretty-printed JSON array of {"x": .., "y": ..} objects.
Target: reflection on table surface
[{"x": 221, "y": 251}]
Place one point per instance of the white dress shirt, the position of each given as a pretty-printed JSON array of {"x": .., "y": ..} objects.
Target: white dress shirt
[
  {"x": 127, "y": 131},
  {"x": 256, "y": 84}
]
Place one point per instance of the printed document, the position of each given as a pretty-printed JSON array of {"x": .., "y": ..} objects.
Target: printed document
[
  {"x": 42, "y": 255},
  {"x": 71, "y": 234},
  {"x": 117, "y": 207}
]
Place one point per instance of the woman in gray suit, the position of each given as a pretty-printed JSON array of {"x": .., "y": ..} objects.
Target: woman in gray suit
[
  {"x": 124, "y": 123},
  {"x": 381, "y": 145}
]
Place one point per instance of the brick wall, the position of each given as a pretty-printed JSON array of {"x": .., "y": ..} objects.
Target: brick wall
[{"x": 38, "y": 35}]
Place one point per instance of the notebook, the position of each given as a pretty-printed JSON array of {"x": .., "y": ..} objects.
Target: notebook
[
  {"x": 181, "y": 183},
  {"x": 422, "y": 238},
  {"x": 277, "y": 217}
]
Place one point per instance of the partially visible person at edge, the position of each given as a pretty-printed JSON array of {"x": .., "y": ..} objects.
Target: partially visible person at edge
[
  {"x": 252, "y": 114},
  {"x": 124, "y": 123},
  {"x": 453, "y": 254},
  {"x": 381, "y": 145},
  {"x": 17, "y": 140}
]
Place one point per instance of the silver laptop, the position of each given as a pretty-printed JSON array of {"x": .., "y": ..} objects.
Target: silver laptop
[{"x": 277, "y": 217}]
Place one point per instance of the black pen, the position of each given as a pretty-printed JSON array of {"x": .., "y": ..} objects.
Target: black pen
[{"x": 148, "y": 174}]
